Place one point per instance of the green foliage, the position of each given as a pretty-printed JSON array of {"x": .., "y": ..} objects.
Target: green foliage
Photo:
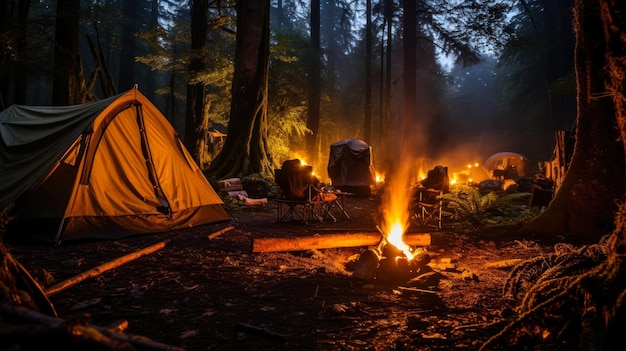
[
  {"x": 468, "y": 206},
  {"x": 287, "y": 107},
  {"x": 285, "y": 125},
  {"x": 170, "y": 53}
]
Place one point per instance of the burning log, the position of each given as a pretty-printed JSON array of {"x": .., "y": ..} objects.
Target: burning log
[
  {"x": 388, "y": 262},
  {"x": 397, "y": 267},
  {"x": 328, "y": 241},
  {"x": 367, "y": 265}
]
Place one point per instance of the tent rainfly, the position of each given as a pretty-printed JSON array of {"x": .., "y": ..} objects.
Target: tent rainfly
[{"x": 103, "y": 170}]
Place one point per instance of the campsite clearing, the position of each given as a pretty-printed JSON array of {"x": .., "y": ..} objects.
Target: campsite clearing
[{"x": 212, "y": 292}]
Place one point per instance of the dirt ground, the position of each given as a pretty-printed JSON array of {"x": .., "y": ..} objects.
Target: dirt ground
[{"x": 198, "y": 293}]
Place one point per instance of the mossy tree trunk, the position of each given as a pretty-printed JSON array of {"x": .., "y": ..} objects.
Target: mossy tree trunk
[
  {"x": 585, "y": 205},
  {"x": 245, "y": 150}
]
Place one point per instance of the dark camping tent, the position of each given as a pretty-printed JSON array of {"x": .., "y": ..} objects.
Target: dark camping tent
[
  {"x": 106, "y": 169},
  {"x": 351, "y": 167}
]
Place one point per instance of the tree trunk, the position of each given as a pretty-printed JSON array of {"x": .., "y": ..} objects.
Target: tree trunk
[
  {"x": 66, "y": 52},
  {"x": 385, "y": 113},
  {"x": 593, "y": 303},
  {"x": 585, "y": 205},
  {"x": 151, "y": 83},
  {"x": 367, "y": 128},
  {"x": 14, "y": 76},
  {"x": 410, "y": 46},
  {"x": 313, "y": 111},
  {"x": 126, "y": 77},
  {"x": 194, "y": 131},
  {"x": 613, "y": 14},
  {"x": 245, "y": 150}
]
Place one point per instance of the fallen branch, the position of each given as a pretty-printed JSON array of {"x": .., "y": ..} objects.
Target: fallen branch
[
  {"x": 416, "y": 290},
  {"x": 103, "y": 268},
  {"x": 254, "y": 330},
  {"x": 503, "y": 264},
  {"x": 220, "y": 232},
  {"x": 327, "y": 241},
  {"x": 30, "y": 316}
]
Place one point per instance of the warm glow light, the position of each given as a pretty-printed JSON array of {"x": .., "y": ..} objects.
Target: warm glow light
[
  {"x": 380, "y": 178},
  {"x": 395, "y": 206},
  {"x": 299, "y": 157},
  {"x": 454, "y": 178},
  {"x": 395, "y": 237}
]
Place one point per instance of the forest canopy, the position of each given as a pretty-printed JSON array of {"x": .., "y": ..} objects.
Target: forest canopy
[{"x": 476, "y": 68}]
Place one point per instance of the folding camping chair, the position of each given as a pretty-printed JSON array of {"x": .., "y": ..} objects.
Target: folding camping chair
[
  {"x": 295, "y": 191},
  {"x": 298, "y": 197},
  {"x": 428, "y": 207},
  {"x": 428, "y": 203},
  {"x": 288, "y": 205}
]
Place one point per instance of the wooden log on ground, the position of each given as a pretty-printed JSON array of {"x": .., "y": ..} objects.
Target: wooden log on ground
[
  {"x": 103, "y": 268},
  {"x": 328, "y": 241},
  {"x": 367, "y": 265},
  {"x": 29, "y": 316},
  {"x": 220, "y": 232}
]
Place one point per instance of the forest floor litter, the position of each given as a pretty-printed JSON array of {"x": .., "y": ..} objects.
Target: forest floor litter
[{"x": 206, "y": 289}]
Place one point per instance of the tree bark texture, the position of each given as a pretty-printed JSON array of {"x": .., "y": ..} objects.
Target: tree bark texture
[
  {"x": 613, "y": 13},
  {"x": 195, "y": 88},
  {"x": 367, "y": 128},
  {"x": 315, "y": 85},
  {"x": 585, "y": 205},
  {"x": 14, "y": 74},
  {"x": 126, "y": 77},
  {"x": 66, "y": 52},
  {"x": 245, "y": 150}
]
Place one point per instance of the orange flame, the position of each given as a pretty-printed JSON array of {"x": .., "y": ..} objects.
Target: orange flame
[
  {"x": 396, "y": 202},
  {"x": 380, "y": 178}
]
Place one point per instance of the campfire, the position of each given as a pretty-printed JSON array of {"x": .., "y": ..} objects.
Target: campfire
[{"x": 393, "y": 258}]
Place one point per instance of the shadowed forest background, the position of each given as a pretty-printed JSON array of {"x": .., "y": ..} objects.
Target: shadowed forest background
[{"x": 488, "y": 77}]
